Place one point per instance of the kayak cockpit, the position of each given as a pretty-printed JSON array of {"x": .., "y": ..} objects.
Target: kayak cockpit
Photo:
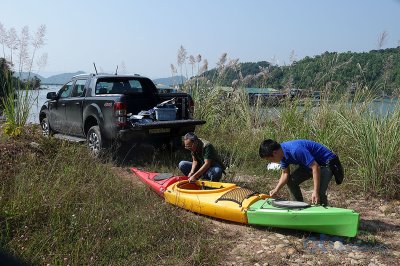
[
  {"x": 202, "y": 186},
  {"x": 199, "y": 186}
]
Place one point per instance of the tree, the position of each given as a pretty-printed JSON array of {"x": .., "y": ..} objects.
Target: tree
[
  {"x": 376, "y": 70},
  {"x": 5, "y": 73}
]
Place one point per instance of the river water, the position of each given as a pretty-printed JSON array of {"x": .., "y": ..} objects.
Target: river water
[
  {"x": 39, "y": 98},
  {"x": 379, "y": 106}
]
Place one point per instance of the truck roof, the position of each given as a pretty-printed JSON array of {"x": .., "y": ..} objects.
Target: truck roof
[{"x": 87, "y": 75}]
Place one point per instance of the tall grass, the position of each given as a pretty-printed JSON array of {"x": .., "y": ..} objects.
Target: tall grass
[
  {"x": 367, "y": 143},
  {"x": 373, "y": 145},
  {"x": 17, "y": 103},
  {"x": 18, "y": 100},
  {"x": 59, "y": 206}
]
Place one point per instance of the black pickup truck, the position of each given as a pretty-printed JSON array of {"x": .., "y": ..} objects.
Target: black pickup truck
[{"x": 103, "y": 109}]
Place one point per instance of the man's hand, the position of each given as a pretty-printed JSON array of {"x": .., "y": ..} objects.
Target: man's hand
[
  {"x": 315, "y": 198},
  {"x": 316, "y": 173},
  {"x": 190, "y": 174},
  {"x": 273, "y": 192},
  {"x": 192, "y": 179}
]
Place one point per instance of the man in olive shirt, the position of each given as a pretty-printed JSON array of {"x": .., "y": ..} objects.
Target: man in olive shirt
[{"x": 205, "y": 160}]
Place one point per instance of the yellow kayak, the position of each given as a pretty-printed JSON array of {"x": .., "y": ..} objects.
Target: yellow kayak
[{"x": 220, "y": 200}]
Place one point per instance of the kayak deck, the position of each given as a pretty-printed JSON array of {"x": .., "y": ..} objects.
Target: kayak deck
[
  {"x": 158, "y": 182},
  {"x": 319, "y": 219},
  {"x": 220, "y": 200}
]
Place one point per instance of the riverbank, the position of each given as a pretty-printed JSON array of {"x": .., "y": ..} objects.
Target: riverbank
[
  {"x": 59, "y": 206},
  {"x": 375, "y": 244}
]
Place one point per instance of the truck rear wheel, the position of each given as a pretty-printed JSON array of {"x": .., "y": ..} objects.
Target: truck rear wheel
[{"x": 95, "y": 142}]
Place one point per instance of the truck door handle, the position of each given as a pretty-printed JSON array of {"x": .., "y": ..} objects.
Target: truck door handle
[
  {"x": 78, "y": 103},
  {"x": 63, "y": 104}
]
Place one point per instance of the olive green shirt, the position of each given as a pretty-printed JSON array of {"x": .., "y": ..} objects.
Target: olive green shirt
[{"x": 207, "y": 151}]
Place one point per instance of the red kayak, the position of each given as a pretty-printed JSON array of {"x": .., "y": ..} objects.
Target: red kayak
[{"x": 157, "y": 181}]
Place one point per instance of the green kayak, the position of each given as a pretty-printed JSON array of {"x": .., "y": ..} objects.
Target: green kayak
[{"x": 301, "y": 216}]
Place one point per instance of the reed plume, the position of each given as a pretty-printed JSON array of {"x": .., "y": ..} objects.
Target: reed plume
[
  {"x": 382, "y": 39},
  {"x": 192, "y": 61},
  {"x": 181, "y": 59}
]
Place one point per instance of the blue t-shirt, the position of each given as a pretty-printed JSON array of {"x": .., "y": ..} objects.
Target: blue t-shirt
[{"x": 304, "y": 152}]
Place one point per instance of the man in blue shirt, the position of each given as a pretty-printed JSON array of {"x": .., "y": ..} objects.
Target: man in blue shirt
[{"x": 314, "y": 161}]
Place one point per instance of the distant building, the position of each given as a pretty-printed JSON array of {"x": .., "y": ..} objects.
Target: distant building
[
  {"x": 261, "y": 91},
  {"x": 293, "y": 92},
  {"x": 265, "y": 94}
]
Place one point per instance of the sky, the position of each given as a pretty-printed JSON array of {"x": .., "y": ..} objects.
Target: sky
[{"x": 143, "y": 36}]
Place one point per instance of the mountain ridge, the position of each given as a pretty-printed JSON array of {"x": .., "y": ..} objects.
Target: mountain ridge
[
  {"x": 378, "y": 69},
  {"x": 58, "y": 79},
  {"x": 61, "y": 79}
]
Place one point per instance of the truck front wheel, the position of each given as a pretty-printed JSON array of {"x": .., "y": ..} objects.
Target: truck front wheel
[
  {"x": 95, "y": 142},
  {"x": 47, "y": 131}
]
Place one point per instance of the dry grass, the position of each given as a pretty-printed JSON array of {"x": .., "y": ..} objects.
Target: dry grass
[{"x": 60, "y": 206}]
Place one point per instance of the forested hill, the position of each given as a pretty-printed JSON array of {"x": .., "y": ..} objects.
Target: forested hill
[{"x": 377, "y": 69}]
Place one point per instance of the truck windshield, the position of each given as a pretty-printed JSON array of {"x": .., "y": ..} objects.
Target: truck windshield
[{"x": 120, "y": 86}]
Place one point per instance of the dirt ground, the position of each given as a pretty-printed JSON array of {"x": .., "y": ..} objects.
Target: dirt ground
[{"x": 377, "y": 242}]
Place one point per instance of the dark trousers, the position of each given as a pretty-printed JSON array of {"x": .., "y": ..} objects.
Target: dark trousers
[{"x": 302, "y": 174}]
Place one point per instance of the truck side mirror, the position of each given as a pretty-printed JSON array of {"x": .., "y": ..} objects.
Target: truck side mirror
[{"x": 51, "y": 95}]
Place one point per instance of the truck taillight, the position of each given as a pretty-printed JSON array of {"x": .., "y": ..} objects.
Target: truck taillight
[{"x": 120, "y": 113}]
